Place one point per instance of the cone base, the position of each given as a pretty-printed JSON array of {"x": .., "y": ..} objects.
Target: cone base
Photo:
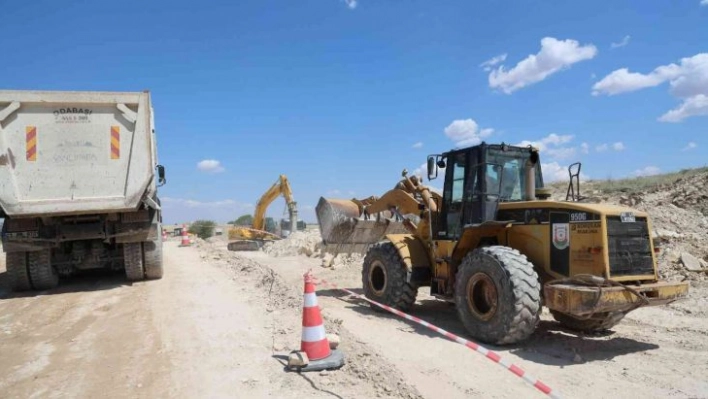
[{"x": 334, "y": 361}]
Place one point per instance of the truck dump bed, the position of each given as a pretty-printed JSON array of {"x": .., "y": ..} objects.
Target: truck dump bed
[{"x": 64, "y": 153}]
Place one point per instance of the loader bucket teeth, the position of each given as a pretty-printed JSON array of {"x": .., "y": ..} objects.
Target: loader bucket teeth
[{"x": 341, "y": 225}]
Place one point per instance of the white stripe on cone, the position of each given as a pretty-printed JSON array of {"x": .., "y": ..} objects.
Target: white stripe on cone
[
  {"x": 313, "y": 334},
  {"x": 310, "y": 300}
]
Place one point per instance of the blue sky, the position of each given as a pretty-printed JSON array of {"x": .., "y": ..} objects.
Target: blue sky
[{"x": 342, "y": 95}]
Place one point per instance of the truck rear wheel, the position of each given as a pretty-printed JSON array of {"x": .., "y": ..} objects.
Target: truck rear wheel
[
  {"x": 17, "y": 272},
  {"x": 153, "y": 258},
  {"x": 41, "y": 272},
  {"x": 498, "y": 295},
  {"x": 133, "y": 261},
  {"x": 598, "y": 323},
  {"x": 384, "y": 278}
]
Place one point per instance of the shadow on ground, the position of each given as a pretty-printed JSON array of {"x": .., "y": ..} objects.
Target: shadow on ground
[
  {"x": 551, "y": 344},
  {"x": 86, "y": 281}
]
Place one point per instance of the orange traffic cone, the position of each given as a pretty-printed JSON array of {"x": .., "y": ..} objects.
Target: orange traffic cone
[
  {"x": 185, "y": 237},
  {"x": 314, "y": 341}
]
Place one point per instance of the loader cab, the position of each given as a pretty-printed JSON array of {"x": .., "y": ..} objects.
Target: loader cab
[{"x": 476, "y": 179}]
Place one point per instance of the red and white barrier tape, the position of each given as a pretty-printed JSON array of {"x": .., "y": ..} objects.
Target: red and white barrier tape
[{"x": 474, "y": 346}]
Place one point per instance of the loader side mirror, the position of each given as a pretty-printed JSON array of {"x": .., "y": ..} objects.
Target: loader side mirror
[
  {"x": 161, "y": 175},
  {"x": 432, "y": 168}
]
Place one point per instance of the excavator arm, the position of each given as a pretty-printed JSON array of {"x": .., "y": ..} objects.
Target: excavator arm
[
  {"x": 253, "y": 237},
  {"x": 280, "y": 187}
]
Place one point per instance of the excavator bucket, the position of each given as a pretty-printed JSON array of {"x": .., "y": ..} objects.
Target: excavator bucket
[{"x": 342, "y": 226}]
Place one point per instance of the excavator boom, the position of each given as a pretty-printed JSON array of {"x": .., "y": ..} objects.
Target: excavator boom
[{"x": 253, "y": 238}]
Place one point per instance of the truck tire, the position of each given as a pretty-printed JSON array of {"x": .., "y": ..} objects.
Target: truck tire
[
  {"x": 385, "y": 279},
  {"x": 41, "y": 272},
  {"x": 498, "y": 295},
  {"x": 17, "y": 272},
  {"x": 152, "y": 253},
  {"x": 598, "y": 323},
  {"x": 133, "y": 261}
]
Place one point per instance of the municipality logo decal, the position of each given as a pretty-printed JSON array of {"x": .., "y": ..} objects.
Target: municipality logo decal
[{"x": 561, "y": 240}]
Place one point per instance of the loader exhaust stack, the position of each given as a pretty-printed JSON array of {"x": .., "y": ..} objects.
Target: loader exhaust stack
[{"x": 531, "y": 176}]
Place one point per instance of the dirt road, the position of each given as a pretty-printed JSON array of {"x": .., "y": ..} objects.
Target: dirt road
[
  {"x": 198, "y": 332},
  {"x": 215, "y": 325}
]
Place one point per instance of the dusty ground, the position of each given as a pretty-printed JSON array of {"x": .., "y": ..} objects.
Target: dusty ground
[{"x": 217, "y": 323}]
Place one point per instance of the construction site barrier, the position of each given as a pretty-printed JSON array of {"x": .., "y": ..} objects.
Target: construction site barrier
[{"x": 491, "y": 355}]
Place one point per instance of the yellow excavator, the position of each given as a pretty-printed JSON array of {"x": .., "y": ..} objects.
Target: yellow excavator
[
  {"x": 497, "y": 247},
  {"x": 253, "y": 238}
]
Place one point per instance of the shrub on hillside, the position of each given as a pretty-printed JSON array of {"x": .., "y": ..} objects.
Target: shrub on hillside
[
  {"x": 203, "y": 228},
  {"x": 244, "y": 220}
]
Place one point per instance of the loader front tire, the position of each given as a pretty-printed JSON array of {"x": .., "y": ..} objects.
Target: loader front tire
[
  {"x": 598, "y": 323},
  {"x": 133, "y": 261},
  {"x": 498, "y": 295},
  {"x": 41, "y": 272},
  {"x": 17, "y": 271},
  {"x": 385, "y": 278}
]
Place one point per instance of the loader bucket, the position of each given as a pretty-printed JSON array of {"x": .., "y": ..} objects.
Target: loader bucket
[{"x": 342, "y": 226}]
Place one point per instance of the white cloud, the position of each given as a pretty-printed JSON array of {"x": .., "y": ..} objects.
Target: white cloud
[
  {"x": 647, "y": 171},
  {"x": 690, "y": 145},
  {"x": 584, "y": 148},
  {"x": 688, "y": 81},
  {"x": 601, "y": 148},
  {"x": 554, "y": 56},
  {"x": 704, "y": 2},
  {"x": 333, "y": 192},
  {"x": 550, "y": 140},
  {"x": 466, "y": 132},
  {"x": 418, "y": 145},
  {"x": 553, "y": 172},
  {"x": 351, "y": 4},
  {"x": 692, "y": 106},
  {"x": 552, "y": 145},
  {"x": 623, "y": 42},
  {"x": 618, "y": 146},
  {"x": 561, "y": 153},
  {"x": 492, "y": 62},
  {"x": 210, "y": 166}
]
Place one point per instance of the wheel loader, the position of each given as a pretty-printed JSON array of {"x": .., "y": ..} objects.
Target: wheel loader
[{"x": 497, "y": 247}]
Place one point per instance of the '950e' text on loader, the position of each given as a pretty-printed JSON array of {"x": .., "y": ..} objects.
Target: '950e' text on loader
[{"x": 499, "y": 248}]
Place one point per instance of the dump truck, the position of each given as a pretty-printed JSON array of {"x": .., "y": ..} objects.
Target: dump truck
[
  {"x": 498, "y": 247},
  {"x": 79, "y": 178}
]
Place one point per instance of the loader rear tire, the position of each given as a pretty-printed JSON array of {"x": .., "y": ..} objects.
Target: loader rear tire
[
  {"x": 498, "y": 295},
  {"x": 152, "y": 251},
  {"x": 17, "y": 271},
  {"x": 385, "y": 278},
  {"x": 598, "y": 323},
  {"x": 133, "y": 261},
  {"x": 41, "y": 272}
]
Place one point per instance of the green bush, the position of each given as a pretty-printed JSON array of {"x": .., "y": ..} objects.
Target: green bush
[
  {"x": 203, "y": 228},
  {"x": 244, "y": 220}
]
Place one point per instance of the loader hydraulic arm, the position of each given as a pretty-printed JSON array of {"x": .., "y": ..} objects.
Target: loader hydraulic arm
[
  {"x": 403, "y": 198},
  {"x": 280, "y": 187}
]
